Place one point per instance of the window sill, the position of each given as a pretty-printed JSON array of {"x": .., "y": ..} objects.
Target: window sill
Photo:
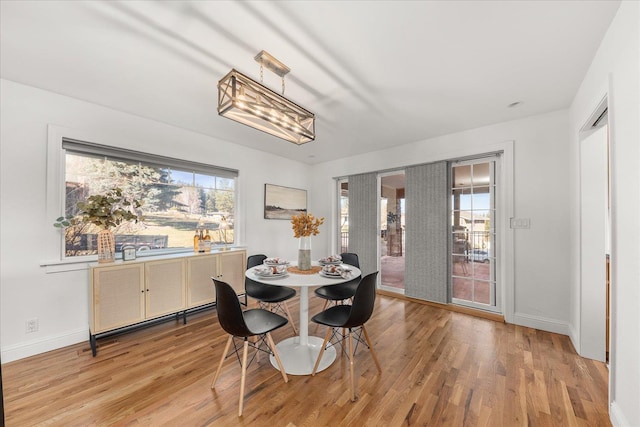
[
  {"x": 63, "y": 265},
  {"x": 85, "y": 262}
]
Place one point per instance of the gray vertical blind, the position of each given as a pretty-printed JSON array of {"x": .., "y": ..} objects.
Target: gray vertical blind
[
  {"x": 426, "y": 260},
  {"x": 363, "y": 231}
]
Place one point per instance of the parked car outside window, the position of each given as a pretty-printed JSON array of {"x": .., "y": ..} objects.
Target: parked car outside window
[{"x": 478, "y": 255}]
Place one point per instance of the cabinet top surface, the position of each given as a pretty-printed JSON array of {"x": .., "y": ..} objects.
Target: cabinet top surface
[{"x": 165, "y": 257}]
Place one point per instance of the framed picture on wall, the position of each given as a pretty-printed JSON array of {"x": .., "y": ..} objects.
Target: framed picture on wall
[{"x": 283, "y": 202}]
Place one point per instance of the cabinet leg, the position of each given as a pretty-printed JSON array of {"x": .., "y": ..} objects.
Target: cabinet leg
[
  {"x": 92, "y": 341},
  {"x": 184, "y": 317}
]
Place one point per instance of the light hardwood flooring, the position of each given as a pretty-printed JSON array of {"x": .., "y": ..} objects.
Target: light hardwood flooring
[{"x": 440, "y": 368}]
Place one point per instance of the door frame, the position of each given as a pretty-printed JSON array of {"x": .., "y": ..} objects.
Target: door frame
[{"x": 590, "y": 345}]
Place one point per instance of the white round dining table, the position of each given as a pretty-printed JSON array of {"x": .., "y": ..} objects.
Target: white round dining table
[{"x": 299, "y": 353}]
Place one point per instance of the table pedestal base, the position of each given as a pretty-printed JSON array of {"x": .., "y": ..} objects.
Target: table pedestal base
[{"x": 299, "y": 359}]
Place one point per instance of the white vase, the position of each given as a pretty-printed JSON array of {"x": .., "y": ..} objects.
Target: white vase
[{"x": 304, "y": 253}]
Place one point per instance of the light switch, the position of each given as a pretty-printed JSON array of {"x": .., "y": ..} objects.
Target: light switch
[{"x": 520, "y": 223}]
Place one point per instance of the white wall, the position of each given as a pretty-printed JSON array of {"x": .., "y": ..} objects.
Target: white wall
[
  {"x": 60, "y": 300},
  {"x": 615, "y": 72},
  {"x": 538, "y": 291}
]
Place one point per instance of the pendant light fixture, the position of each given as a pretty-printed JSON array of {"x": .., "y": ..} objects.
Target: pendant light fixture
[{"x": 244, "y": 100}]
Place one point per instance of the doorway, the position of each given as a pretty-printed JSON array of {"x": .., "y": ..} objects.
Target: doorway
[
  {"x": 595, "y": 233},
  {"x": 392, "y": 231}
]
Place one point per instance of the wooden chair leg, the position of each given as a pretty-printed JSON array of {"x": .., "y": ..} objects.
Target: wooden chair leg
[
  {"x": 293, "y": 325},
  {"x": 373, "y": 353},
  {"x": 324, "y": 344},
  {"x": 244, "y": 375},
  {"x": 277, "y": 356},
  {"x": 326, "y": 302},
  {"x": 351, "y": 370},
  {"x": 224, "y": 356}
]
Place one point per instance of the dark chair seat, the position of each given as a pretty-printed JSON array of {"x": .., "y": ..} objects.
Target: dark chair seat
[
  {"x": 339, "y": 292},
  {"x": 334, "y": 316},
  {"x": 261, "y": 321},
  {"x": 271, "y": 293}
]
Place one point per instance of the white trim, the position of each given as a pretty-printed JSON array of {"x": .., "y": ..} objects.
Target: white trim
[
  {"x": 616, "y": 416},
  {"x": 55, "y": 173},
  {"x": 541, "y": 323},
  {"x": 476, "y": 306},
  {"x": 574, "y": 336},
  {"x": 399, "y": 291},
  {"x": 38, "y": 346},
  {"x": 506, "y": 233}
]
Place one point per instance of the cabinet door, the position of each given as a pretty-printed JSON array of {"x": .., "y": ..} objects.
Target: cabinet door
[
  {"x": 200, "y": 270},
  {"x": 165, "y": 287},
  {"x": 117, "y": 297},
  {"x": 233, "y": 266}
]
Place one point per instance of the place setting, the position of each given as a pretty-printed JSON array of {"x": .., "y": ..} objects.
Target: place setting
[
  {"x": 271, "y": 271},
  {"x": 276, "y": 262},
  {"x": 336, "y": 271},
  {"x": 330, "y": 260}
]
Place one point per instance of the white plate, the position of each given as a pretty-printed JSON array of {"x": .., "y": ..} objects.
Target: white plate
[
  {"x": 281, "y": 262},
  {"x": 330, "y": 276},
  {"x": 273, "y": 276},
  {"x": 329, "y": 262},
  {"x": 269, "y": 270}
]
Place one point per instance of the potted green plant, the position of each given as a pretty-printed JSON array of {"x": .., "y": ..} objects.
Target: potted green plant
[{"x": 105, "y": 211}]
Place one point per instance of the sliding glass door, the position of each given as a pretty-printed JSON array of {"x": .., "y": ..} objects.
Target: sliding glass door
[
  {"x": 473, "y": 233},
  {"x": 430, "y": 230}
]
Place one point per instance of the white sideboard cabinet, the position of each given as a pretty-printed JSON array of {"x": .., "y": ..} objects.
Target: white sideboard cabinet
[{"x": 131, "y": 294}]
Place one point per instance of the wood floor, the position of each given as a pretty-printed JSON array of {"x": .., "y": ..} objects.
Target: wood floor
[{"x": 440, "y": 368}]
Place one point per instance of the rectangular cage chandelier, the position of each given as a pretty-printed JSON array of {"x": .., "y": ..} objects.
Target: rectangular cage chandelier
[{"x": 246, "y": 101}]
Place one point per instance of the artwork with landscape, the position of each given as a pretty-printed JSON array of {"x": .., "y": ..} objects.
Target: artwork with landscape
[{"x": 283, "y": 202}]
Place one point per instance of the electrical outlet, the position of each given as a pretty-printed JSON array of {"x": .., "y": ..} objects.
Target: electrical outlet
[{"x": 32, "y": 325}]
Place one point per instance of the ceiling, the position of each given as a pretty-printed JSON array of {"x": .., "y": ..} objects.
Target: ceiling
[{"x": 376, "y": 73}]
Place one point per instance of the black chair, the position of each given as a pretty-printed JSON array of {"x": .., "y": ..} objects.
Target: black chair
[
  {"x": 270, "y": 297},
  {"x": 342, "y": 291},
  {"x": 352, "y": 318},
  {"x": 250, "y": 323}
]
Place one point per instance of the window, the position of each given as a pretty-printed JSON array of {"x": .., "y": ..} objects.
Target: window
[{"x": 177, "y": 198}]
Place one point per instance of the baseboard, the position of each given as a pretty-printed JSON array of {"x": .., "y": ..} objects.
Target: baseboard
[
  {"x": 31, "y": 348},
  {"x": 575, "y": 338},
  {"x": 616, "y": 416},
  {"x": 544, "y": 324}
]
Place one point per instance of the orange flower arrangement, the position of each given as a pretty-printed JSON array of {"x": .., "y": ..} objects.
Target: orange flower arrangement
[{"x": 305, "y": 225}]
